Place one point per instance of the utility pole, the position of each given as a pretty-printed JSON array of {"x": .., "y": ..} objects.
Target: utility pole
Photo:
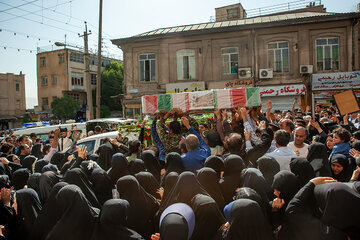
[
  {"x": 89, "y": 105},
  {"x": 98, "y": 77}
]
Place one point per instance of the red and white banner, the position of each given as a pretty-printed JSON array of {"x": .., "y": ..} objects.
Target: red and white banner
[{"x": 283, "y": 90}]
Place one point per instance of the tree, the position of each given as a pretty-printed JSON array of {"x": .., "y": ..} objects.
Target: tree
[
  {"x": 112, "y": 84},
  {"x": 65, "y": 107}
]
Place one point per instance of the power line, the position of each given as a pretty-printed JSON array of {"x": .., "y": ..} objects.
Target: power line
[
  {"x": 18, "y": 49},
  {"x": 12, "y": 7},
  {"x": 27, "y": 35}
]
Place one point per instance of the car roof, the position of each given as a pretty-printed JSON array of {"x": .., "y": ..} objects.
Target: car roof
[{"x": 97, "y": 136}]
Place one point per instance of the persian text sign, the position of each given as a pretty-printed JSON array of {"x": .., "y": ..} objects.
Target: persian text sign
[
  {"x": 230, "y": 84},
  {"x": 284, "y": 90},
  {"x": 185, "y": 87},
  {"x": 343, "y": 80}
]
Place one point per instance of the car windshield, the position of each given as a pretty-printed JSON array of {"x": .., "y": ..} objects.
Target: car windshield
[{"x": 89, "y": 146}]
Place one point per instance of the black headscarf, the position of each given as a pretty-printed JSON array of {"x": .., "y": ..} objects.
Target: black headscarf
[
  {"x": 106, "y": 151},
  {"x": 40, "y": 164},
  {"x": 143, "y": 206},
  {"x": 135, "y": 166},
  {"x": 233, "y": 165},
  {"x": 216, "y": 163},
  {"x": 58, "y": 159},
  {"x": 4, "y": 181},
  {"x": 29, "y": 206},
  {"x": 47, "y": 181},
  {"x": 345, "y": 174},
  {"x": 168, "y": 183},
  {"x": 288, "y": 185},
  {"x": 112, "y": 222},
  {"x": 340, "y": 205},
  {"x": 75, "y": 208},
  {"x": 317, "y": 150},
  {"x": 173, "y": 163},
  {"x": 318, "y": 158},
  {"x": 248, "y": 222},
  {"x": 149, "y": 183},
  {"x": 119, "y": 167},
  {"x": 268, "y": 167},
  {"x": 50, "y": 168},
  {"x": 208, "y": 217},
  {"x": 249, "y": 193},
  {"x": 101, "y": 184},
  {"x": 151, "y": 163},
  {"x": 94, "y": 157},
  {"x": 19, "y": 178},
  {"x": 49, "y": 215},
  {"x": 28, "y": 162},
  {"x": 253, "y": 178},
  {"x": 36, "y": 151},
  {"x": 302, "y": 170},
  {"x": 210, "y": 182},
  {"x": 77, "y": 177},
  {"x": 34, "y": 182}
]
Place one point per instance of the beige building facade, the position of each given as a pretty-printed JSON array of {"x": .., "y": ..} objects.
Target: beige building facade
[
  {"x": 62, "y": 72},
  {"x": 279, "y": 51},
  {"x": 12, "y": 100}
]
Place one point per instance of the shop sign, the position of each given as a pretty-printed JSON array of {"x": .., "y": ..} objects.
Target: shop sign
[
  {"x": 343, "y": 80},
  {"x": 329, "y": 94},
  {"x": 284, "y": 90},
  {"x": 185, "y": 87},
  {"x": 230, "y": 84}
]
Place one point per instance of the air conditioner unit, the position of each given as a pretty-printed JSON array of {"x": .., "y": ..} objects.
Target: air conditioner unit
[
  {"x": 305, "y": 69},
  {"x": 266, "y": 73},
  {"x": 244, "y": 73}
]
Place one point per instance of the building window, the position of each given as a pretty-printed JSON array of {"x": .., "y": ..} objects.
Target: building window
[
  {"x": 76, "y": 57},
  {"x": 230, "y": 60},
  {"x": 327, "y": 54},
  {"x": 233, "y": 13},
  {"x": 54, "y": 79},
  {"x": 54, "y": 97},
  {"x": 44, "y": 81},
  {"x": 42, "y": 61},
  {"x": 17, "y": 87},
  {"x": 278, "y": 57},
  {"x": 93, "y": 61},
  {"x": 45, "y": 101},
  {"x": 147, "y": 67},
  {"x": 77, "y": 79},
  {"x": 185, "y": 60},
  {"x": 75, "y": 96},
  {"x": 17, "y": 104},
  {"x": 61, "y": 58},
  {"x": 93, "y": 79}
]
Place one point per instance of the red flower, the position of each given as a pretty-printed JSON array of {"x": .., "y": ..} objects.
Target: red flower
[
  {"x": 138, "y": 126},
  {"x": 211, "y": 118},
  {"x": 168, "y": 124},
  {"x": 148, "y": 129},
  {"x": 130, "y": 127}
]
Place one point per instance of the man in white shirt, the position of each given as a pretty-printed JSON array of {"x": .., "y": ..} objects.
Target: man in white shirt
[
  {"x": 65, "y": 141},
  {"x": 282, "y": 153},
  {"x": 298, "y": 145}
]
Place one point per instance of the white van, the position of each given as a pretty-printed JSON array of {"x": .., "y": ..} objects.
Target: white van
[{"x": 44, "y": 131}]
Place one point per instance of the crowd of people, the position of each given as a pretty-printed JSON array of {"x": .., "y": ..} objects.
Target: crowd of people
[{"x": 244, "y": 174}]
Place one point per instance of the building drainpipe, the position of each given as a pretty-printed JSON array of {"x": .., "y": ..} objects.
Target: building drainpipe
[
  {"x": 355, "y": 46},
  {"x": 254, "y": 59}
]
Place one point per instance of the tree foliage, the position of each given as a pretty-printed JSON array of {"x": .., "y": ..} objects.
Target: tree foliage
[
  {"x": 112, "y": 84},
  {"x": 65, "y": 107}
]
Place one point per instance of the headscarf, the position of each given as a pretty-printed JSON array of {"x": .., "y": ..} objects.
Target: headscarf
[
  {"x": 77, "y": 177},
  {"x": 119, "y": 167},
  {"x": 34, "y": 182},
  {"x": 151, "y": 163},
  {"x": 149, "y": 183},
  {"x": 302, "y": 170},
  {"x": 216, "y": 163},
  {"x": 50, "y": 168},
  {"x": 19, "y": 178},
  {"x": 248, "y": 222},
  {"x": 94, "y": 157},
  {"x": 173, "y": 163},
  {"x": 36, "y": 151},
  {"x": 177, "y": 222},
  {"x": 340, "y": 206},
  {"x": 49, "y": 215},
  {"x": 168, "y": 183},
  {"x": 249, "y": 193},
  {"x": 29, "y": 162},
  {"x": 39, "y": 165},
  {"x": 253, "y": 178},
  {"x": 58, "y": 159},
  {"x": 113, "y": 221},
  {"x": 288, "y": 185},
  {"x": 75, "y": 208},
  {"x": 101, "y": 184},
  {"x": 106, "y": 151},
  {"x": 233, "y": 165},
  {"x": 46, "y": 182},
  {"x": 208, "y": 217},
  {"x": 268, "y": 167},
  {"x": 345, "y": 174},
  {"x": 210, "y": 182},
  {"x": 143, "y": 206},
  {"x": 136, "y": 166},
  {"x": 4, "y": 181},
  {"x": 29, "y": 206},
  {"x": 318, "y": 158}
]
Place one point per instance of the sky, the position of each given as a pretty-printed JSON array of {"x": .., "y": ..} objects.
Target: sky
[{"x": 27, "y": 25}]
